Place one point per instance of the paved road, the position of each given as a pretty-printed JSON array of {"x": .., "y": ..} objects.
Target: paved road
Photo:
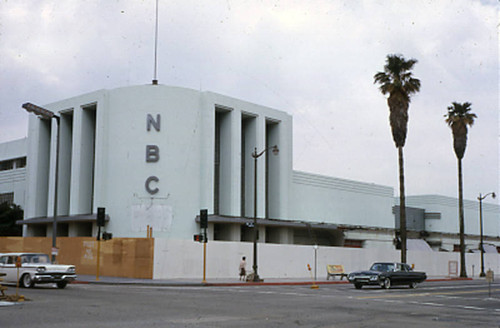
[{"x": 436, "y": 304}]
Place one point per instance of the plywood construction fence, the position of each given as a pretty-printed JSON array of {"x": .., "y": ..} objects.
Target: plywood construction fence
[{"x": 120, "y": 257}]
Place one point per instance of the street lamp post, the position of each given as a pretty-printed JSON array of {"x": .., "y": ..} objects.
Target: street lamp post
[
  {"x": 256, "y": 155},
  {"x": 47, "y": 115},
  {"x": 480, "y": 199}
]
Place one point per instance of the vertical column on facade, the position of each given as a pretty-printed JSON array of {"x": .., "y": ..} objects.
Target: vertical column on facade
[
  {"x": 52, "y": 169},
  {"x": 273, "y": 200},
  {"x": 52, "y": 179},
  {"x": 248, "y": 142},
  {"x": 100, "y": 139},
  {"x": 207, "y": 165},
  {"x": 260, "y": 144},
  {"x": 235, "y": 144},
  {"x": 38, "y": 163},
  {"x": 285, "y": 168},
  {"x": 65, "y": 152},
  {"x": 82, "y": 165}
]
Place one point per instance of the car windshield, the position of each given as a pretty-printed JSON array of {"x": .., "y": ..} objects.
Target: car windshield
[
  {"x": 35, "y": 258},
  {"x": 382, "y": 267}
]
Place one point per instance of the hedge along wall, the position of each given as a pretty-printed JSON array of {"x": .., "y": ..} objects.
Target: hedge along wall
[{"x": 120, "y": 257}]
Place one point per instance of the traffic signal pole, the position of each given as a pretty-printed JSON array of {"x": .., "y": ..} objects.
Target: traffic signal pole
[
  {"x": 204, "y": 240},
  {"x": 101, "y": 217},
  {"x": 98, "y": 253},
  {"x": 204, "y": 281}
]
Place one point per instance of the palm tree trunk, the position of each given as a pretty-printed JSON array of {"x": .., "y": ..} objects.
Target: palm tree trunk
[
  {"x": 463, "y": 271},
  {"x": 402, "y": 205}
]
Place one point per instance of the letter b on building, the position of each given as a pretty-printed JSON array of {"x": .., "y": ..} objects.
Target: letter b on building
[{"x": 152, "y": 153}]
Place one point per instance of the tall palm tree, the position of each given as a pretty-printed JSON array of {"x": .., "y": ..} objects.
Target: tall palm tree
[
  {"x": 458, "y": 118},
  {"x": 397, "y": 81}
]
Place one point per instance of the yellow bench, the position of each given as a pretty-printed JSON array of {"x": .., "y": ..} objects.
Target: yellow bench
[{"x": 335, "y": 270}]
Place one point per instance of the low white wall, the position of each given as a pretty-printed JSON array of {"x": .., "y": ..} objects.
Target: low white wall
[{"x": 181, "y": 259}]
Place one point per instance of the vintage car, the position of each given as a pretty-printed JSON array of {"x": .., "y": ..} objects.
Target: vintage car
[
  {"x": 387, "y": 274},
  {"x": 35, "y": 269}
]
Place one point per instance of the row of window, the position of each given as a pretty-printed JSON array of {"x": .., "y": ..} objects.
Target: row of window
[{"x": 11, "y": 164}]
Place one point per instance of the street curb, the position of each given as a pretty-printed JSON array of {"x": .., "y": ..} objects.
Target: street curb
[
  {"x": 237, "y": 284},
  {"x": 297, "y": 283}
]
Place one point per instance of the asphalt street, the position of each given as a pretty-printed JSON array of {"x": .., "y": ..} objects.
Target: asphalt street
[{"x": 432, "y": 304}]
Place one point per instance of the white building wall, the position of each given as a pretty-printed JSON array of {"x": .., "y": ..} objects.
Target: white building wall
[
  {"x": 339, "y": 201},
  {"x": 448, "y": 207},
  {"x": 172, "y": 209},
  {"x": 290, "y": 261}
]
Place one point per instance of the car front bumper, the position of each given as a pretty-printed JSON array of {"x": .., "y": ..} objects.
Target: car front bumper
[
  {"x": 364, "y": 280},
  {"x": 53, "y": 277}
]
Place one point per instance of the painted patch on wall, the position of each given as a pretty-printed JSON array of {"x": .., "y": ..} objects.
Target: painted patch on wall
[{"x": 157, "y": 216}]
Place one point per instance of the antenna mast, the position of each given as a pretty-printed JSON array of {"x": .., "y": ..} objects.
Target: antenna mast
[{"x": 155, "y": 77}]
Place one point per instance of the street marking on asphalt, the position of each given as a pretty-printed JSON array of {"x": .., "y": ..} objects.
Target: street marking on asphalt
[
  {"x": 468, "y": 307},
  {"x": 430, "y": 303},
  {"x": 470, "y": 298},
  {"x": 392, "y": 295},
  {"x": 465, "y": 307}
]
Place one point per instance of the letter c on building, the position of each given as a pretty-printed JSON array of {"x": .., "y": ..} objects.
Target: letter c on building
[{"x": 147, "y": 185}]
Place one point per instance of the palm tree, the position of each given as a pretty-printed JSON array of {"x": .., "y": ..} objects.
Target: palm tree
[
  {"x": 397, "y": 81},
  {"x": 458, "y": 118}
]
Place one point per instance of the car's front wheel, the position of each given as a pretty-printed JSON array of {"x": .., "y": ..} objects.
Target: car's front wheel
[
  {"x": 62, "y": 284},
  {"x": 358, "y": 286},
  {"x": 26, "y": 281},
  {"x": 413, "y": 285},
  {"x": 386, "y": 283}
]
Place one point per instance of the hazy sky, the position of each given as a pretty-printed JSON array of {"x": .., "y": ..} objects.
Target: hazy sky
[{"x": 312, "y": 59}]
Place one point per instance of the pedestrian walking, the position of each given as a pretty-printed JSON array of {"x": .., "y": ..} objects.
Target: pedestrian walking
[{"x": 243, "y": 268}]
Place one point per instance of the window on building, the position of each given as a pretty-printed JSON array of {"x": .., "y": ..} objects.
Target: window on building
[
  {"x": 11, "y": 164},
  {"x": 6, "y": 165},
  {"x": 7, "y": 198},
  {"x": 20, "y": 162}
]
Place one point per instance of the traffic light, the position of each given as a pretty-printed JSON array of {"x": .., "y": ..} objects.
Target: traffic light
[
  {"x": 101, "y": 215},
  {"x": 201, "y": 238},
  {"x": 107, "y": 235},
  {"x": 397, "y": 242},
  {"x": 203, "y": 219}
]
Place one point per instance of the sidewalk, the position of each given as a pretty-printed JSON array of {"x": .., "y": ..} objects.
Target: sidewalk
[{"x": 105, "y": 280}]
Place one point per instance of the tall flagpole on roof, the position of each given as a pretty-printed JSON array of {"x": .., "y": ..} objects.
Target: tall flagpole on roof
[{"x": 155, "y": 74}]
